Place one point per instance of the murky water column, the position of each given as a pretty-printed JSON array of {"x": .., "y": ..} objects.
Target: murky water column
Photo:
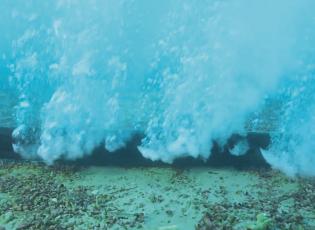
[
  {"x": 8, "y": 101},
  {"x": 6, "y": 111}
]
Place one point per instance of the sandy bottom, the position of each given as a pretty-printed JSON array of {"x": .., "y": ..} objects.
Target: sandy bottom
[{"x": 35, "y": 196}]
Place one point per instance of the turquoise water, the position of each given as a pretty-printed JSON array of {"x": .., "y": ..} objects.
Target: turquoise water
[
  {"x": 79, "y": 74},
  {"x": 7, "y": 103}
]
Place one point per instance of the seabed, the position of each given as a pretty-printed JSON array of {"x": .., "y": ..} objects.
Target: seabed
[{"x": 36, "y": 196}]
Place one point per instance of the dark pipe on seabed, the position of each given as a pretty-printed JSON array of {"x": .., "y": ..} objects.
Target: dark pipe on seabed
[
  {"x": 129, "y": 156},
  {"x": 6, "y": 141}
]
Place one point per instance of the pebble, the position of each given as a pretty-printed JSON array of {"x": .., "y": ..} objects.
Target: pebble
[{"x": 171, "y": 227}]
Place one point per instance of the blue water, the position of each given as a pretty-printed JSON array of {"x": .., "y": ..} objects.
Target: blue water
[{"x": 183, "y": 73}]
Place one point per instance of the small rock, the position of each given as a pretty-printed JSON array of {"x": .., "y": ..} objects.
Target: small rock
[
  {"x": 171, "y": 227},
  {"x": 169, "y": 212},
  {"x": 95, "y": 192},
  {"x": 8, "y": 217}
]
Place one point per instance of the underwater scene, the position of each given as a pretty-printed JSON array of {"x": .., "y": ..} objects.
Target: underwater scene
[{"x": 157, "y": 115}]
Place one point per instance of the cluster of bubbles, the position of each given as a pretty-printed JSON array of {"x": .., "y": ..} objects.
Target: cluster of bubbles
[{"x": 181, "y": 72}]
